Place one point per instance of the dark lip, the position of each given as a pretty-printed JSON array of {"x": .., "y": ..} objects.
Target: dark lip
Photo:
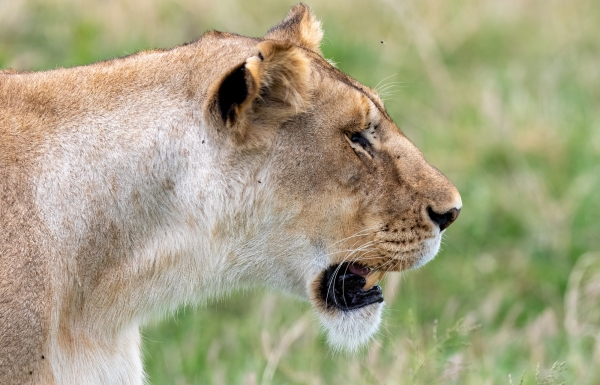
[{"x": 342, "y": 289}]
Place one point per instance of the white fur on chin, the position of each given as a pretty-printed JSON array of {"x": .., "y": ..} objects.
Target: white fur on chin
[{"x": 350, "y": 330}]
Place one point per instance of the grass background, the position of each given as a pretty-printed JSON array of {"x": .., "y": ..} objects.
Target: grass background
[{"x": 502, "y": 96}]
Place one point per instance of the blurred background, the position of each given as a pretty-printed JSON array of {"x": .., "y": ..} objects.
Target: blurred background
[{"x": 502, "y": 96}]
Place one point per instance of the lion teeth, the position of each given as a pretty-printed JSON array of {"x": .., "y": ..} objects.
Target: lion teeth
[{"x": 372, "y": 278}]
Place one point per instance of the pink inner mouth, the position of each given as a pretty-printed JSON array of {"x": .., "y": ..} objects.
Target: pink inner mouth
[{"x": 359, "y": 270}]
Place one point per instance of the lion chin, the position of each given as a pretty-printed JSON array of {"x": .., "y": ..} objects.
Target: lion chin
[{"x": 349, "y": 330}]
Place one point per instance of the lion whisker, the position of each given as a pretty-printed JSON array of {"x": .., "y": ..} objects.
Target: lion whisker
[{"x": 382, "y": 80}]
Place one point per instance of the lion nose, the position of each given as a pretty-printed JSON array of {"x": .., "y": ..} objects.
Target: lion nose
[{"x": 443, "y": 220}]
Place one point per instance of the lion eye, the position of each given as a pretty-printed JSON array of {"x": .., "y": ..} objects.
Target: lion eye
[{"x": 357, "y": 138}]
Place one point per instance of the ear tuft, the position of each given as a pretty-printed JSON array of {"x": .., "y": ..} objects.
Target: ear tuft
[
  {"x": 264, "y": 91},
  {"x": 300, "y": 27},
  {"x": 284, "y": 73}
]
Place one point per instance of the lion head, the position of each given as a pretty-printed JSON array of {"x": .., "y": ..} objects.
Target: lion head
[{"x": 341, "y": 193}]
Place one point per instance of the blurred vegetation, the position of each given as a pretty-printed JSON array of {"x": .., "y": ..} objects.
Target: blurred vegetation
[{"x": 502, "y": 96}]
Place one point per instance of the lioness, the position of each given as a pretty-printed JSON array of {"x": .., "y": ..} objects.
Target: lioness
[{"x": 138, "y": 184}]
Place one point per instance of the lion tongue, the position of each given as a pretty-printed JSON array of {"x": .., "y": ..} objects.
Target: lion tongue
[
  {"x": 372, "y": 278},
  {"x": 359, "y": 270}
]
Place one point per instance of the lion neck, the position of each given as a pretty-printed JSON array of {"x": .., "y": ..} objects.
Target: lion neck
[{"x": 152, "y": 216}]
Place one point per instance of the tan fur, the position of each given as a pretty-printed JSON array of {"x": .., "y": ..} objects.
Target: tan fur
[
  {"x": 124, "y": 193},
  {"x": 301, "y": 27},
  {"x": 283, "y": 75}
]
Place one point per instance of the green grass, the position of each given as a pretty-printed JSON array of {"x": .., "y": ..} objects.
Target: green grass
[{"x": 503, "y": 97}]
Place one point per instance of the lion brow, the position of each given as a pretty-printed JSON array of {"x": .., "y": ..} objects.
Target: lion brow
[{"x": 329, "y": 69}]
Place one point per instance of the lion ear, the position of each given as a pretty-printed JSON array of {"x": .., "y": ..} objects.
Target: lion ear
[
  {"x": 300, "y": 27},
  {"x": 267, "y": 89}
]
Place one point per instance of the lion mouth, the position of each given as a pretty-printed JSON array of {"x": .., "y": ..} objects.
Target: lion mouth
[{"x": 349, "y": 286}]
